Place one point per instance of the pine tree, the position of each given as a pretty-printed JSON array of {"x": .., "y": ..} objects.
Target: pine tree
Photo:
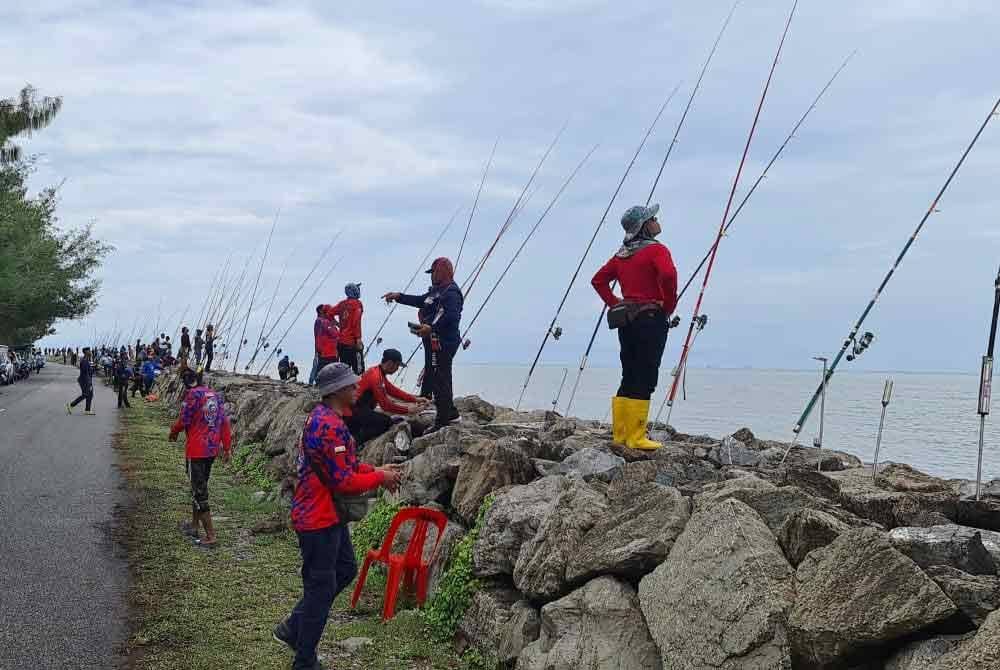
[{"x": 22, "y": 116}]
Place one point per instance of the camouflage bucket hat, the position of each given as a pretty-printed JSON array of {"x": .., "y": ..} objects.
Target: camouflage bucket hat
[{"x": 634, "y": 218}]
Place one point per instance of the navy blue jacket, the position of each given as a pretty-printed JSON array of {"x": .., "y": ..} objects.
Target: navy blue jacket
[
  {"x": 86, "y": 377},
  {"x": 442, "y": 309}
]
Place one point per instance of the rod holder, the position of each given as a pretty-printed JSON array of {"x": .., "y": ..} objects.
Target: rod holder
[{"x": 886, "y": 397}]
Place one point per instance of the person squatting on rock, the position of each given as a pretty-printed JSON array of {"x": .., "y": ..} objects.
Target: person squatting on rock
[
  {"x": 376, "y": 392},
  {"x": 648, "y": 279},
  {"x": 86, "y": 381},
  {"x": 348, "y": 313},
  {"x": 440, "y": 313},
  {"x": 205, "y": 424},
  {"x": 327, "y": 465},
  {"x": 283, "y": 365},
  {"x": 326, "y": 336}
]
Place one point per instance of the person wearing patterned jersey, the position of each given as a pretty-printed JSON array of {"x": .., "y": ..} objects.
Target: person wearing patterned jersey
[
  {"x": 375, "y": 392},
  {"x": 327, "y": 465},
  {"x": 204, "y": 421}
]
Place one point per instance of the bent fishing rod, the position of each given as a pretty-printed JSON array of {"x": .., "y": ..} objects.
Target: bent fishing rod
[
  {"x": 746, "y": 198},
  {"x": 852, "y": 341},
  {"x": 597, "y": 229},
  {"x": 274, "y": 297},
  {"x": 525, "y": 241},
  {"x": 265, "y": 342},
  {"x": 277, "y": 347},
  {"x": 420, "y": 268},
  {"x": 256, "y": 285},
  {"x": 695, "y": 320},
  {"x": 656, "y": 181},
  {"x": 475, "y": 203}
]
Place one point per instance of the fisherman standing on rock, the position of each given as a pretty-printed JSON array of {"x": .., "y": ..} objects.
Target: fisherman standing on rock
[
  {"x": 648, "y": 279},
  {"x": 440, "y": 311}
]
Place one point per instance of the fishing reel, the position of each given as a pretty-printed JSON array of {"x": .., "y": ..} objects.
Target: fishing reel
[
  {"x": 466, "y": 344},
  {"x": 674, "y": 322},
  {"x": 277, "y": 352},
  {"x": 556, "y": 332},
  {"x": 699, "y": 321},
  {"x": 860, "y": 345}
]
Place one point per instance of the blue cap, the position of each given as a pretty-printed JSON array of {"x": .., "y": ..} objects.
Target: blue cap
[{"x": 634, "y": 218}]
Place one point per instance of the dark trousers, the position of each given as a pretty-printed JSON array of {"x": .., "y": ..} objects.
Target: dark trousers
[
  {"x": 209, "y": 355},
  {"x": 323, "y": 361},
  {"x": 136, "y": 385},
  {"x": 351, "y": 356},
  {"x": 147, "y": 385},
  {"x": 642, "y": 343},
  {"x": 86, "y": 393},
  {"x": 367, "y": 424},
  {"x": 442, "y": 388},
  {"x": 328, "y": 567},
  {"x": 427, "y": 382},
  {"x": 123, "y": 393},
  {"x": 197, "y": 356}
]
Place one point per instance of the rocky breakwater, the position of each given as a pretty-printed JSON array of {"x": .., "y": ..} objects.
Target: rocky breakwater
[{"x": 703, "y": 554}]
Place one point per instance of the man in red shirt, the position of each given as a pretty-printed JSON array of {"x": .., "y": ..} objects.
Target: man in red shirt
[
  {"x": 327, "y": 465},
  {"x": 349, "y": 312},
  {"x": 375, "y": 391},
  {"x": 204, "y": 421},
  {"x": 648, "y": 279},
  {"x": 326, "y": 336}
]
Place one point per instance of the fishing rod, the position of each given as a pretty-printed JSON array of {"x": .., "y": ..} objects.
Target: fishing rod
[
  {"x": 551, "y": 331},
  {"x": 475, "y": 202},
  {"x": 524, "y": 243},
  {"x": 270, "y": 306},
  {"x": 210, "y": 294},
  {"x": 471, "y": 280},
  {"x": 256, "y": 284},
  {"x": 686, "y": 349},
  {"x": 265, "y": 343},
  {"x": 853, "y": 342},
  {"x": 219, "y": 290},
  {"x": 985, "y": 383},
  {"x": 757, "y": 182},
  {"x": 420, "y": 266},
  {"x": 656, "y": 181},
  {"x": 277, "y": 347}
]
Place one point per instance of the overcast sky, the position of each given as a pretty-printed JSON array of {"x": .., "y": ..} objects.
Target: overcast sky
[{"x": 187, "y": 125}]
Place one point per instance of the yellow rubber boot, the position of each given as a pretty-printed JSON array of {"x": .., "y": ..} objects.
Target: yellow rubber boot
[
  {"x": 619, "y": 429},
  {"x": 636, "y": 418}
]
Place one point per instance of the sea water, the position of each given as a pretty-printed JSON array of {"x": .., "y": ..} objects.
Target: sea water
[{"x": 931, "y": 422}]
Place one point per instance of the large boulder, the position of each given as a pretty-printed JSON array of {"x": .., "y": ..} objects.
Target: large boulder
[
  {"x": 643, "y": 521},
  {"x": 890, "y": 507},
  {"x": 857, "y": 595},
  {"x": 902, "y": 477},
  {"x": 430, "y": 475},
  {"x": 924, "y": 654},
  {"x": 720, "y": 599},
  {"x": 386, "y": 447},
  {"x": 974, "y": 595},
  {"x": 500, "y": 622},
  {"x": 592, "y": 463},
  {"x": 540, "y": 571},
  {"x": 512, "y": 520},
  {"x": 485, "y": 467},
  {"x": 734, "y": 452},
  {"x": 958, "y": 546},
  {"x": 801, "y": 457},
  {"x": 805, "y": 530},
  {"x": 476, "y": 408},
  {"x": 596, "y": 626}
]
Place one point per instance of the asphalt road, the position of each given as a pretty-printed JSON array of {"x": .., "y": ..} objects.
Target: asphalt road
[{"x": 62, "y": 586}]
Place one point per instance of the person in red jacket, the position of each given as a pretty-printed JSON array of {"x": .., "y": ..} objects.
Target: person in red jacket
[
  {"x": 204, "y": 421},
  {"x": 327, "y": 465},
  {"x": 349, "y": 312},
  {"x": 648, "y": 279},
  {"x": 326, "y": 335},
  {"x": 375, "y": 391}
]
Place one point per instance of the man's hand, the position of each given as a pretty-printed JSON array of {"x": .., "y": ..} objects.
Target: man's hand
[
  {"x": 424, "y": 330},
  {"x": 392, "y": 296},
  {"x": 172, "y": 437},
  {"x": 392, "y": 476}
]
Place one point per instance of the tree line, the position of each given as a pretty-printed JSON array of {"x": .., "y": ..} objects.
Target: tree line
[{"x": 46, "y": 272}]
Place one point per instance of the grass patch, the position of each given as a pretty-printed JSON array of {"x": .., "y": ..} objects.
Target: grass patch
[{"x": 196, "y": 609}]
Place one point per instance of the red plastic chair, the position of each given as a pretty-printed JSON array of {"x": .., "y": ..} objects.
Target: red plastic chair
[{"x": 409, "y": 567}]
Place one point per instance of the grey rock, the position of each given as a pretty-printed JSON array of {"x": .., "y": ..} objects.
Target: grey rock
[
  {"x": 382, "y": 449},
  {"x": 353, "y": 645},
  {"x": 983, "y": 513},
  {"x": 540, "y": 571},
  {"x": 512, "y": 520},
  {"x": 887, "y": 506},
  {"x": 476, "y": 407},
  {"x": 981, "y": 651},
  {"x": 499, "y": 622},
  {"x": 596, "y": 626},
  {"x": 806, "y": 457},
  {"x": 544, "y": 467},
  {"x": 805, "y": 530},
  {"x": 591, "y": 463},
  {"x": 966, "y": 488},
  {"x": 958, "y": 546},
  {"x": 259, "y": 496},
  {"x": 636, "y": 535},
  {"x": 974, "y": 595},
  {"x": 430, "y": 476},
  {"x": 902, "y": 477},
  {"x": 486, "y": 467},
  {"x": 733, "y": 452},
  {"x": 857, "y": 594},
  {"x": 720, "y": 599},
  {"x": 924, "y": 654}
]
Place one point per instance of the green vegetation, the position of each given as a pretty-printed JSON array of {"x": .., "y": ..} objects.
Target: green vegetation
[
  {"x": 196, "y": 609},
  {"x": 249, "y": 462},
  {"x": 458, "y": 584},
  {"x": 45, "y": 273}
]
